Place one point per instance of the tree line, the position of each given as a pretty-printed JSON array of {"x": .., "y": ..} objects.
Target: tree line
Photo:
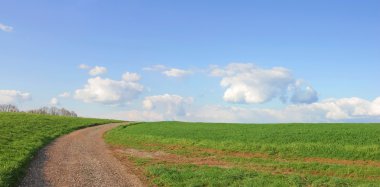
[{"x": 44, "y": 110}]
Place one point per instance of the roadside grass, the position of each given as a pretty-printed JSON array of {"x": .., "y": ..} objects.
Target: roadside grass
[
  {"x": 23, "y": 134},
  {"x": 270, "y": 154}
]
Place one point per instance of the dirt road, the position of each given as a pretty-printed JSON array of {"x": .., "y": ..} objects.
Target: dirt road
[{"x": 79, "y": 159}]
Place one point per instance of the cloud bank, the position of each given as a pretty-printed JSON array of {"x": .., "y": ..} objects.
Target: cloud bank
[
  {"x": 173, "y": 107},
  {"x": 331, "y": 110}
]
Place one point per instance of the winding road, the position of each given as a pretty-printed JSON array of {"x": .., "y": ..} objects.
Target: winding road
[{"x": 80, "y": 158}]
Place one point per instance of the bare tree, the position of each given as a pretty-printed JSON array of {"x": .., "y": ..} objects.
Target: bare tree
[
  {"x": 8, "y": 108},
  {"x": 65, "y": 112},
  {"x": 54, "y": 111}
]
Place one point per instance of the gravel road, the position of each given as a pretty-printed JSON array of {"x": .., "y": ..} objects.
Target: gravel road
[{"x": 79, "y": 159}]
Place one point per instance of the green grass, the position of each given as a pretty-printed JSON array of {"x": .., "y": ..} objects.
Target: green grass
[
  {"x": 286, "y": 148},
  {"x": 22, "y": 134},
  {"x": 190, "y": 175},
  {"x": 345, "y": 141}
]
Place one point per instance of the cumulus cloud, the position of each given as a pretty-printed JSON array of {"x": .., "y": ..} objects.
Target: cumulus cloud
[
  {"x": 54, "y": 101},
  {"x": 13, "y": 96},
  {"x": 169, "y": 72},
  {"x": 247, "y": 83},
  {"x": 112, "y": 92},
  {"x": 6, "y": 28},
  {"x": 97, "y": 70},
  {"x": 303, "y": 93},
  {"x": 64, "y": 95}
]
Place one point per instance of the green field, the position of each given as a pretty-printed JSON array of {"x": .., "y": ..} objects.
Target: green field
[
  {"x": 22, "y": 134},
  {"x": 202, "y": 154}
]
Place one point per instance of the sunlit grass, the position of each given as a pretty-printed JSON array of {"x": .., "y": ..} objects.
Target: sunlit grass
[{"x": 342, "y": 152}]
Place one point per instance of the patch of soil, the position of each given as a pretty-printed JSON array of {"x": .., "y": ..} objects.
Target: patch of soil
[
  {"x": 173, "y": 158},
  {"x": 215, "y": 152},
  {"x": 213, "y": 159}
]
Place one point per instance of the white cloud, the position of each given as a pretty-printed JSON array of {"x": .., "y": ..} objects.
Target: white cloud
[
  {"x": 108, "y": 91},
  {"x": 169, "y": 72},
  {"x": 375, "y": 107},
  {"x": 6, "y": 28},
  {"x": 158, "y": 108},
  {"x": 136, "y": 115},
  {"x": 158, "y": 67},
  {"x": 225, "y": 114},
  {"x": 247, "y": 83},
  {"x": 169, "y": 105},
  {"x": 13, "y": 96},
  {"x": 331, "y": 110},
  {"x": 352, "y": 107},
  {"x": 97, "y": 70},
  {"x": 64, "y": 95},
  {"x": 172, "y": 107},
  {"x": 84, "y": 66},
  {"x": 174, "y": 72},
  {"x": 94, "y": 71},
  {"x": 54, "y": 101}
]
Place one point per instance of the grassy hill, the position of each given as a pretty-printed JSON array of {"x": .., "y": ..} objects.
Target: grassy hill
[
  {"x": 22, "y": 134},
  {"x": 177, "y": 153}
]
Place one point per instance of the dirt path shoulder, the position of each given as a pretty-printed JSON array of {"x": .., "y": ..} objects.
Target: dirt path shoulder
[{"x": 80, "y": 158}]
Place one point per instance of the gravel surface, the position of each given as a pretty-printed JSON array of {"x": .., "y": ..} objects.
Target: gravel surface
[{"x": 79, "y": 159}]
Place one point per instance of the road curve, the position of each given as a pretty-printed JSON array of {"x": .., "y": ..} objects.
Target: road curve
[{"x": 80, "y": 158}]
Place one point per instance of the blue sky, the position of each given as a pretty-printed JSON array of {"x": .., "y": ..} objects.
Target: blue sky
[{"x": 332, "y": 46}]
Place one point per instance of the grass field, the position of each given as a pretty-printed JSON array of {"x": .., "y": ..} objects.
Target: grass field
[
  {"x": 201, "y": 154},
  {"x": 21, "y": 135}
]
